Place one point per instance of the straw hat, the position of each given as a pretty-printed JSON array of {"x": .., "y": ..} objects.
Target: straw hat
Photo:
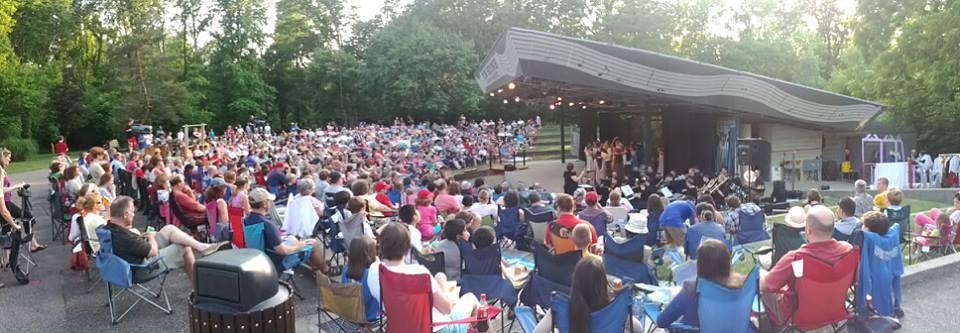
[
  {"x": 637, "y": 222},
  {"x": 796, "y": 217}
]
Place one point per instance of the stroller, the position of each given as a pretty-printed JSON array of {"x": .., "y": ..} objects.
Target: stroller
[{"x": 18, "y": 242}]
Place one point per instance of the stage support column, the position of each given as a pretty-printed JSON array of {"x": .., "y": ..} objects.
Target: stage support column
[
  {"x": 588, "y": 129},
  {"x": 563, "y": 138},
  {"x": 648, "y": 149}
]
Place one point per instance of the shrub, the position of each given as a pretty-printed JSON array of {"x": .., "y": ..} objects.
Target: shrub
[{"x": 21, "y": 149}]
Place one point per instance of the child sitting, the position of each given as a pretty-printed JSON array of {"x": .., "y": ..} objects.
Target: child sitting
[{"x": 934, "y": 235}]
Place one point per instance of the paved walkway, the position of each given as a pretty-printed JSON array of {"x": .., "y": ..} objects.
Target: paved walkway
[{"x": 56, "y": 301}]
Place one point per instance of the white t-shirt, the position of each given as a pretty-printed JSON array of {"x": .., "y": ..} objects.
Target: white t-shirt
[
  {"x": 484, "y": 209},
  {"x": 373, "y": 282}
]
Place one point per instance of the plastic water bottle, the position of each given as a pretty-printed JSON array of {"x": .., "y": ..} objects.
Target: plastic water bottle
[{"x": 482, "y": 322}]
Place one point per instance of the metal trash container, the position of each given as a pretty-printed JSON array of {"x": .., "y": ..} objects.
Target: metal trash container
[{"x": 238, "y": 291}]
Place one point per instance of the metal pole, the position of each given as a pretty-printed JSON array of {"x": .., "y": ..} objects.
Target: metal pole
[{"x": 563, "y": 141}]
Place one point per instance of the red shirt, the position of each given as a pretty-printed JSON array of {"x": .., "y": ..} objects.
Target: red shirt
[
  {"x": 782, "y": 274},
  {"x": 61, "y": 148},
  {"x": 385, "y": 200},
  {"x": 567, "y": 221}
]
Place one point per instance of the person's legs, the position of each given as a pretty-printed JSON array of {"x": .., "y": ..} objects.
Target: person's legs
[
  {"x": 176, "y": 236},
  {"x": 317, "y": 258}
]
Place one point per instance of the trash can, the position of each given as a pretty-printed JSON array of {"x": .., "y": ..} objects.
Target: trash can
[{"x": 238, "y": 291}]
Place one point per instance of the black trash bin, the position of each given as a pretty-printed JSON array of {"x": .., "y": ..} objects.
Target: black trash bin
[{"x": 238, "y": 291}]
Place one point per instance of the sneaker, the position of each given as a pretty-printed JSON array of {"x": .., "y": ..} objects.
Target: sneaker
[{"x": 213, "y": 248}]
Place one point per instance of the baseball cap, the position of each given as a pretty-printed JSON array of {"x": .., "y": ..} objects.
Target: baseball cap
[
  {"x": 381, "y": 186},
  {"x": 423, "y": 194},
  {"x": 592, "y": 197},
  {"x": 261, "y": 195}
]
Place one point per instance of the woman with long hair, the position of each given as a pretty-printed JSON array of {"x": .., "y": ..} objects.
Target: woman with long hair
[
  {"x": 588, "y": 294},
  {"x": 713, "y": 264},
  {"x": 362, "y": 254}
]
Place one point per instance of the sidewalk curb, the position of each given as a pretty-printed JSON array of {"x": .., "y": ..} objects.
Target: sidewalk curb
[{"x": 930, "y": 269}]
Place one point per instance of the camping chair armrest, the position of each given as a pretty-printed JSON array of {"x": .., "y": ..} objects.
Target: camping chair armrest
[
  {"x": 492, "y": 312},
  {"x": 527, "y": 318},
  {"x": 760, "y": 250}
]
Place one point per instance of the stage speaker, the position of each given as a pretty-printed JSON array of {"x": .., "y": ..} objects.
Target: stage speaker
[
  {"x": 755, "y": 153},
  {"x": 824, "y": 187},
  {"x": 779, "y": 191}
]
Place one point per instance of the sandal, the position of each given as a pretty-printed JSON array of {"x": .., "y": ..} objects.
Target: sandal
[{"x": 38, "y": 249}]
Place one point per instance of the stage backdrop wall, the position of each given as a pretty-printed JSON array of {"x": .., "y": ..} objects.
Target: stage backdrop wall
[{"x": 689, "y": 140}]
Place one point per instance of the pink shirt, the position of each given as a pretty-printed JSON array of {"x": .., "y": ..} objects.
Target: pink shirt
[
  {"x": 428, "y": 218},
  {"x": 447, "y": 203}
]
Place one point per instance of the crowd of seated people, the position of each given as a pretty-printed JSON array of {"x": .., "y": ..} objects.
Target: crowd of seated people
[{"x": 385, "y": 210}]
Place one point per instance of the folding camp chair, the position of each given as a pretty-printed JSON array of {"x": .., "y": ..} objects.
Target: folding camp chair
[
  {"x": 342, "y": 304},
  {"x": 538, "y": 222},
  {"x": 60, "y": 215},
  {"x": 236, "y": 226},
  {"x": 253, "y": 237},
  {"x": 620, "y": 215},
  {"x": 720, "y": 309},
  {"x": 615, "y": 317},
  {"x": 626, "y": 260},
  {"x": 785, "y": 239},
  {"x": 118, "y": 273},
  {"x": 511, "y": 228},
  {"x": 408, "y": 303},
  {"x": 483, "y": 275},
  {"x": 751, "y": 228},
  {"x": 881, "y": 266},
  {"x": 556, "y": 268},
  {"x": 598, "y": 221},
  {"x": 433, "y": 261},
  {"x": 902, "y": 217},
  {"x": 820, "y": 295},
  {"x": 198, "y": 228},
  {"x": 85, "y": 246}
]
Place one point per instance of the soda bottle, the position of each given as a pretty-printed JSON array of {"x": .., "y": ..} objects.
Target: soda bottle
[{"x": 482, "y": 321}]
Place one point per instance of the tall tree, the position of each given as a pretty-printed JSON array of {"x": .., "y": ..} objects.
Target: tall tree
[{"x": 238, "y": 90}]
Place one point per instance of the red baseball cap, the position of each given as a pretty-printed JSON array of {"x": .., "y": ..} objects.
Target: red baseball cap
[
  {"x": 381, "y": 186},
  {"x": 424, "y": 194},
  {"x": 592, "y": 197}
]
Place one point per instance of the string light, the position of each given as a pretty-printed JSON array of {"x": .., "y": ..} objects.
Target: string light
[
  {"x": 571, "y": 103},
  {"x": 602, "y": 102},
  {"x": 560, "y": 98},
  {"x": 492, "y": 94},
  {"x": 584, "y": 107},
  {"x": 506, "y": 101},
  {"x": 516, "y": 99},
  {"x": 511, "y": 86},
  {"x": 499, "y": 91},
  {"x": 552, "y": 107}
]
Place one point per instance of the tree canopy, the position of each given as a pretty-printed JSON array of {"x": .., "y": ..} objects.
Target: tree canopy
[{"x": 80, "y": 68}]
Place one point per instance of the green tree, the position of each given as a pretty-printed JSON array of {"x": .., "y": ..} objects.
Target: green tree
[
  {"x": 414, "y": 69},
  {"x": 238, "y": 90}
]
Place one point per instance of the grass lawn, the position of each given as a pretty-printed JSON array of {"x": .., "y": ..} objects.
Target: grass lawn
[
  {"x": 37, "y": 162},
  {"x": 916, "y": 206}
]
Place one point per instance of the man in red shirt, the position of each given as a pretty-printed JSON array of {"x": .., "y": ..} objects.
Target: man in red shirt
[
  {"x": 194, "y": 211},
  {"x": 558, "y": 233},
  {"x": 61, "y": 147},
  {"x": 820, "y": 245}
]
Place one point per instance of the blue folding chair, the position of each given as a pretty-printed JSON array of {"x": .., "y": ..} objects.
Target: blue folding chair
[
  {"x": 253, "y": 236},
  {"x": 598, "y": 221},
  {"x": 720, "y": 309},
  {"x": 556, "y": 268},
  {"x": 625, "y": 260},
  {"x": 118, "y": 273},
  {"x": 482, "y": 274},
  {"x": 751, "y": 228},
  {"x": 615, "y": 317}
]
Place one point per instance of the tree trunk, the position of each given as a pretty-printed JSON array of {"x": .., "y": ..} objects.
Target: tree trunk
[{"x": 143, "y": 85}]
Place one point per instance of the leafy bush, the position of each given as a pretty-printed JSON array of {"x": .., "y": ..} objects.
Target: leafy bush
[{"x": 21, "y": 149}]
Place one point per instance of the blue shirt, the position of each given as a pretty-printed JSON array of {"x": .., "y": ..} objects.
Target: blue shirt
[
  {"x": 276, "y": 179},
  {"x": 677, "y": 213},
  {"x": 683, "y": 305},
  {"x": 271, "y": 234}
]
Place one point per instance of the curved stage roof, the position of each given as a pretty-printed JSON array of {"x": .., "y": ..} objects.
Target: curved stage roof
[{"x": 547, "y": 65}]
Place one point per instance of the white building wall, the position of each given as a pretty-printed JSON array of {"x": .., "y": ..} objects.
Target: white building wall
[{"x": 785, "y": 141}]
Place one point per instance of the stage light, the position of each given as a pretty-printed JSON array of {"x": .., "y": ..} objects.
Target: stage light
[
  {"x": 492, "y": 94},
  {"x": 511, "y": 86},
  {"x": 559, "y": 98},
  {"x": 506, "y": 101},
  {"x": 516, "y": 99},
  {"x": 499, "y": 91},
  {"x": 552, "y": 107},
  {"x": 571, "y": 103},
  {"x": 584, "y": 107},
  {"x": 602, "y": 102}
]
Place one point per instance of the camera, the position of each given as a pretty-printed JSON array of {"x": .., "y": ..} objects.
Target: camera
[{"x": 24, "y": 191}]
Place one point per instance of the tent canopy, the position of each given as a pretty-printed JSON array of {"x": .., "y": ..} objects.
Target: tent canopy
[{"x": 541, "y": 67}]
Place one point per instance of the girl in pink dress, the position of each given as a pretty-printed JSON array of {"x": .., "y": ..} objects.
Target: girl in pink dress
[{"x": 428, "y": 215}]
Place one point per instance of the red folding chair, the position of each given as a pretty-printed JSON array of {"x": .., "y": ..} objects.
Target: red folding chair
[
  {"x": 408, "y": 303},
  {"x": 821, "y": 295},
  {"x": 236, "y": 223}
]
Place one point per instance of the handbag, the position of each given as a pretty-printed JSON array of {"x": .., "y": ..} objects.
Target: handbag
[
  {"x": 870, "y": 322},
  {"x": 80, "y": 261}
]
